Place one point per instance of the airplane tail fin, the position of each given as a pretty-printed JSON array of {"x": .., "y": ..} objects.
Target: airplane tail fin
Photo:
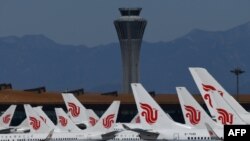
[
  {"x": 7, "y": 116},
  {"x": 77, "y": 112},
  {"x": 44, "y": 117},
  {"x": 64, "y": 122},
  {"x": 194, "y": 114},
  {"x": 107, "y": 121},
  {"x": 93, "y": 118},
  {"x": 224, "y": 112},
  {"x": 206, "y": 82},
  {"x": 151, "y": 114},
  {"x": 212, "y": 133},
  {"x": 36, "y": 124}
]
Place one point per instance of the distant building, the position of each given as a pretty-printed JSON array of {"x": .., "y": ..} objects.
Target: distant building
[
  {"x": 96, "y": 101},
  {"x": 130, "y": 28}
]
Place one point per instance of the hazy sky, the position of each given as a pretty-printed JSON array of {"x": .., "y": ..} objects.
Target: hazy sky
[{"x": 90, "y": 22}]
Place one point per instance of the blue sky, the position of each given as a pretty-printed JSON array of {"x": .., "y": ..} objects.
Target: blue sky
[{"x": 90, "y": 22}]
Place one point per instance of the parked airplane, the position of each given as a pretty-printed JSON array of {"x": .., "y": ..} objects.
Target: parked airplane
[
  {"x": 64, "y": 122},
  {"x": 224, "y": 112},
  {"x": 205, "y": 82},
  {"x": 24, "y": 126},
  {"x": 47, "y": 120},
  {"x": 44, "y": 117},
  {"x": 77, "y": 112},
  {"x": 152, "y": 115},
  {"x": 103, "y": 130},
  {"x": 38, "y": 126},
  {"x": 6, "y": 118},
  {"x": 194, "y": 115},
  {"x": 82, "y": 113}
]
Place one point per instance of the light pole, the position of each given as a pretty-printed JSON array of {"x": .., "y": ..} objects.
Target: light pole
[{"x": 237, "y": 71}]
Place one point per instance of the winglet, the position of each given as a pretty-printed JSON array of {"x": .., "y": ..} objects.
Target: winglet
[
  {"x": 48, "y": 138},
  {"x": 126, "y": 127}
]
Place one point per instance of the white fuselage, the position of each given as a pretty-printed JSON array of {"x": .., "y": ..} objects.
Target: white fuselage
[
  {"x": 127, "y": 135},
  {"x": 77, "y": 136},
  {"x": 184, "y": 136},
  {"x": 23, "y": 136},
  {"x": 180, "y": 134},
  {"x": 119, "y": 126}
]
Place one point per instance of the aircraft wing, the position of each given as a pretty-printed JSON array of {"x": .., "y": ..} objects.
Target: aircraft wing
[
  {"x": 109, "y": 135},
  {"x": 144, "y": 134},
  {"x": 6, "y": 130},
  {"x": 13, "y": 130}
]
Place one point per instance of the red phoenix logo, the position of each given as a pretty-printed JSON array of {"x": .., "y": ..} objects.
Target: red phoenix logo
[
  {"x": 6, "y": 119},
  {"x": 207, "y": 96},
  {"x": 35, "y": 123},
  {"x": 225, "y": 117},
  {"x": 43, "y": 119},
  {"x": 208, "y": 87},
  {"x": 149, "y": 113},
  {"x": 63, "y": 121},
  {"x": 73, "y": 109},
  {"x": 193, "y": 115},
  {"x": 92, "y": 121},
  {"x": 137, "y": 120},
  {"x": 108, "y": 121}
]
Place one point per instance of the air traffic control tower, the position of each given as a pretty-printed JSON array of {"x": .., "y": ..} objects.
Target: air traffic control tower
[{"x": 130, "y": 28}]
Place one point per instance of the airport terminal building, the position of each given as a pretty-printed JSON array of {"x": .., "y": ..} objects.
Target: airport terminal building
[{"x": 99, "y": 102}]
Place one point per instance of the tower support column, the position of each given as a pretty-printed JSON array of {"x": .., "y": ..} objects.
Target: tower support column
[{"x": 130, "y": 28}]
